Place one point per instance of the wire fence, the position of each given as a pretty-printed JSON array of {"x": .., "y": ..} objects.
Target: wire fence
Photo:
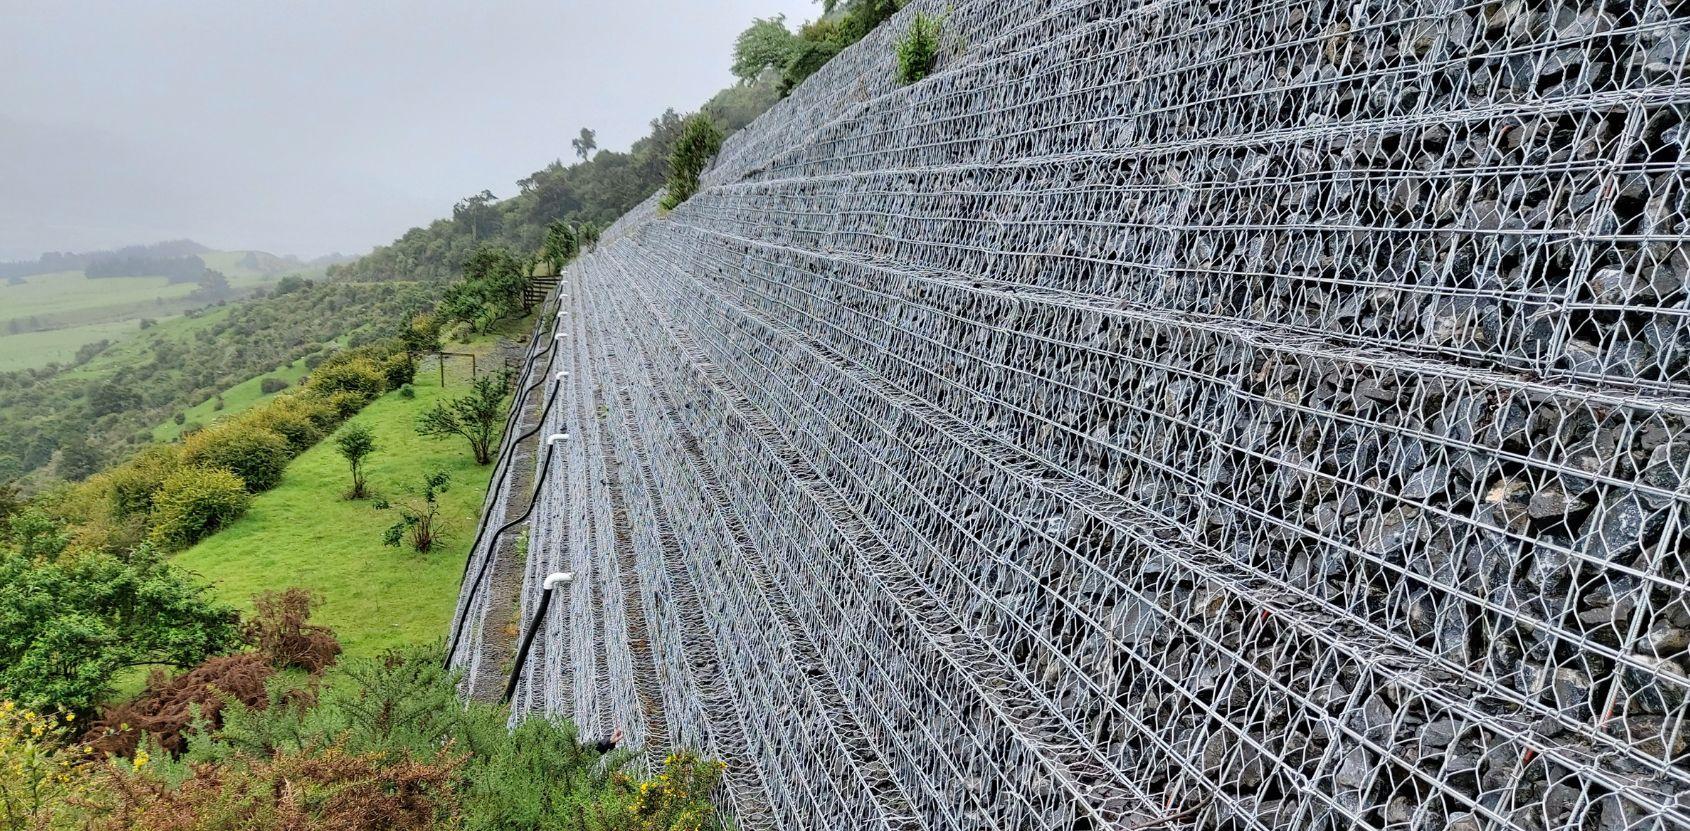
[{"x": 1250, "y": 415}]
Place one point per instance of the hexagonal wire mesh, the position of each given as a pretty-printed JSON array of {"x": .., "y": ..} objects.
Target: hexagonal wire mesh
[{"x": 1170, "y": 414}]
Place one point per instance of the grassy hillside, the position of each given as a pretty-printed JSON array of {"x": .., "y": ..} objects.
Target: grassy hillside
[
  {"x": 304, "y": 533},
  {"x": 235, "y": 399},
  {"x": 118, "y": 398},
  {"x": 46, "y": 318}
]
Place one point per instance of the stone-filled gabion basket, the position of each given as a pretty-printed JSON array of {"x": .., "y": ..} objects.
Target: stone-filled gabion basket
[{"x": 1176, "y": 415}]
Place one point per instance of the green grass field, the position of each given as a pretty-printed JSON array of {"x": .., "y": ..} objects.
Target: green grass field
[
  {"x": 69, "y": 309},
  {"x": 237, "y": 398},
  {"x": 304, "y": 533},
  {"x": 34, "y": 349}
]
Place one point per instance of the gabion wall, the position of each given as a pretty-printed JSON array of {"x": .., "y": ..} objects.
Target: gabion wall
[{"x": 1241, "y": 415}]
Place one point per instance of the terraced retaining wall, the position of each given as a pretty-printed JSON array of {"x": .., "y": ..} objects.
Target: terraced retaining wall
[{"x": 1168, "y": 415}]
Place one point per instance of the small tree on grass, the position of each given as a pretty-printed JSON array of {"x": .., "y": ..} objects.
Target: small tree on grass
[
  {"x": 698, "y": 144},
  {"x": 419, "y": 519},
  {"x": 475, "y": 416},
  {"x": 355, "y": 443}
]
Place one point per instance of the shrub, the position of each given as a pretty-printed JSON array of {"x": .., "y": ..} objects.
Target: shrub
[
  {"x": 398, "y": 370},
  {"x": 294, "y": 418},
  {"x": 257, "y": 455},
  {"x": 407, "y": 392},
  {"x": 323, "y": 787},
  {"x": 918, "y": 49},
  {"x": 344, "y": 404},
  {"x": 272, "y": 385},
  {"x": 42, "y": 780},
  {"x": 195, "y": 502},
  {"x": 180, "y": 418},
  {"x": 169, "y": 707},
  {"x": 419, "y": 519},
  {"x": 69, "y": 623},
  {"x": 278, "y": 630},
  {"x": 698, "y": 144},
  {"x": 355, "y": 375},
  {"x": 134, "y": 482}
]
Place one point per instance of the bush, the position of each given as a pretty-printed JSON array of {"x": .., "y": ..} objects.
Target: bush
[
  {"x": 698, "y": 144},
  {"x": 272, "y": 385},
  {"x": 194, "y": 503},
  {"x": 355, "y": 375},
  {"x": 324, "y": 787},
  {"x": 291, "y": 417},
  {"x": 407, "y": 391},
  {"x": 69, "y": 623},
  {"x": 255, "y": 454},
  {"x": 134, "y": 483},
  {"x": 42, "y": 779},
  {"x": 398, "y": 370},
  {"x": 344, "y": 404},
  {"x": 918, "y": 49},
  {"x": 278, "y": 630}
]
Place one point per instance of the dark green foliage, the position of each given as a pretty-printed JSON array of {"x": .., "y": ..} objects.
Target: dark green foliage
[
  {"x": 765, "y": 44},
  {"x": 699, "y": 143},
  {"x": 585, "y": 143},
  {"x": 398, "y": 370},
  {"x": 918, "y": 49},
  {"x": 68, "y": 624},
  {"x": 407, "y": 391},
  {"x": 77, "y": 458},
  {"x": 562, "y": 244},
  {"x": 490, "y": 291},
  {"x": 819, "y": 40},
  {"x": 257, "y": 455},
  {"x": 193, "y": 503},
  {"x": 270, "y": 386},
  {"x": 477, "y": 417},
  {"x": 354, "y": 442}
]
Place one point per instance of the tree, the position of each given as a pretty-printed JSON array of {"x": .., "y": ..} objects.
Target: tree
[
  {"x": 698, "y": 144},
  {"x": 475, "y": 416},
  {"x": 765, "y": 44},
  {"x": 77, "y": 458},
  {"x": 419, "y": 519},
  {"x": 68, "y": 624},
  {"x": 354, "y": 443},
  {"x": 562, "y": 244},
  {"x": 585, "y": 143},
  {"x": 918, "y": 48},
  {"x": 480, "y": 213}
]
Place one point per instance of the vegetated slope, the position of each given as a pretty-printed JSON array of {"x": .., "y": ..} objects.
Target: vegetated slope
[
  {"x": 1198, "y": 415},
  {"x": 596, "y": 190},
  {"x": 107, "y": 404},
  {"x": 303, "y": 533},
  {"x": 51, "y": 315},
  {"x": 231, "y": 401}
]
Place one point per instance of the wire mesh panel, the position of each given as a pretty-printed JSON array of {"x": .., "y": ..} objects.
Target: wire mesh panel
[{"x": 1244, "y": 415}]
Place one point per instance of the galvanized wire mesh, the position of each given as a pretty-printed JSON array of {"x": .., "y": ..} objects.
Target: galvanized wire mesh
[{"x": 1177, "y": 415}]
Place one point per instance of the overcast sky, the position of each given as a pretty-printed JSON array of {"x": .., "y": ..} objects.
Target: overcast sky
[{"x": 309, "y": 127}]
